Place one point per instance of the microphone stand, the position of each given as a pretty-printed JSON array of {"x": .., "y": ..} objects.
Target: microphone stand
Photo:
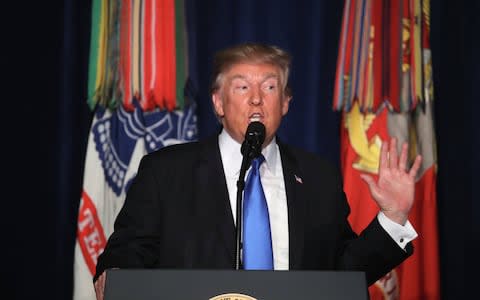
[{"x": 246, "y": 161}]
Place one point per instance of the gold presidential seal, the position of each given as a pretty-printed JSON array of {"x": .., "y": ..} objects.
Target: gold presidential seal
[{"x": 232, "y": 297}]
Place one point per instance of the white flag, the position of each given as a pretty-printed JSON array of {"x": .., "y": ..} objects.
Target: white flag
[{"x": 117, "y": 142}]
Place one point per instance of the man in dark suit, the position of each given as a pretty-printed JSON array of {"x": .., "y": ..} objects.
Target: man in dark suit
[{"x": 178, "y": 211}]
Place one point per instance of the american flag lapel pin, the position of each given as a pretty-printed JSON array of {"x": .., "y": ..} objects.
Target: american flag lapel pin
[{"x": 298, "y": 179}]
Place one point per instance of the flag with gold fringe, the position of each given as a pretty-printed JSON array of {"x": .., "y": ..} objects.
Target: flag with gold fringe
[
  {"x": 384, "y": 89},
  {"x": 137, "y": 88}
]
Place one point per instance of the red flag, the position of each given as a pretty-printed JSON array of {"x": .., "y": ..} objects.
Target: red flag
[
  {"x": 152, "y": 67},
  {"x": 391, "y": 87}
]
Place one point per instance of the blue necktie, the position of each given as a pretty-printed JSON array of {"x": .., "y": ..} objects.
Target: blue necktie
[{"x": 257, "y": 240}]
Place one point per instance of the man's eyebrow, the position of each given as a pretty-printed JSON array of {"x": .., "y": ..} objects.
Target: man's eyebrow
[
  {"x": 265, "y": 77},
  {"x": 238, "y": 76},
  {"x": 270, "y": 75}
]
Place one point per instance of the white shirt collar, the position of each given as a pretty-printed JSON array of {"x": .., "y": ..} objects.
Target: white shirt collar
[{"x": 232, "y": 157}]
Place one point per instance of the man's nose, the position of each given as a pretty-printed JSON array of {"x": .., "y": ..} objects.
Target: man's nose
[{"x": 256, "y": 97}]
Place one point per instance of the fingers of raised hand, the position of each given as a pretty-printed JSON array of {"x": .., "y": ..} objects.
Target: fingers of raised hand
[
  {"x": 389, "y": 156},
  {"x": 415, "y": 167},
  {"x": 384, "y": 156},
  {"x": 393, "y": 155},
  {"x": 403, "y": 157}
]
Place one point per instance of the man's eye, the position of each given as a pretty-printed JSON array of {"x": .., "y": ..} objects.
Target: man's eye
[{"x": 242, "y": 87}]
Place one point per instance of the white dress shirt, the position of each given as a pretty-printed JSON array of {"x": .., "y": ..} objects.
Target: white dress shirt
[
  {"x": 271, "y": 176},
  {"x": 273, "y": 183}
]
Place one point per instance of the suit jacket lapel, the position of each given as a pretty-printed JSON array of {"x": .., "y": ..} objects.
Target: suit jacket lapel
[
  {"x": 296, "y": 206},
  {"x": 212, "y": 191},
  {"x": 211, "y": 187}
]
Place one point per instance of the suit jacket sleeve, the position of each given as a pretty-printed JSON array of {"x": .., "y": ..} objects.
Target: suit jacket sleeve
[
  {"x": 321, "y": 213},
  {"x": 134, "y": 242},
  {"x": 372, "y": 251}
]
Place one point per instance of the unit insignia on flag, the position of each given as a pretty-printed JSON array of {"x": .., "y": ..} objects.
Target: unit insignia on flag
[
  {"x": 368, "y": 150},
  {"x": 159, "y": 128}
]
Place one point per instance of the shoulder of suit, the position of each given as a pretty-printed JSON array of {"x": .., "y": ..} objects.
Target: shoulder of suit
[
  {"x": 307, "y": 159},
  {"x": 181, "y": 152}
]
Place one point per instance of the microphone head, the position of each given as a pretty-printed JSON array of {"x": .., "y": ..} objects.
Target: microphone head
[{"x": 254, "y": 138}]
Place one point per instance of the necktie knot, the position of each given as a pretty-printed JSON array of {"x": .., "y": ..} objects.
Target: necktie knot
[{"x": 257, "y": 162}]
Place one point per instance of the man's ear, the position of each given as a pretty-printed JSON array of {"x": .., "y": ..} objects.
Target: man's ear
[
  {"x": 286, "y": 104},
  {"x": 218, "y": 103}
]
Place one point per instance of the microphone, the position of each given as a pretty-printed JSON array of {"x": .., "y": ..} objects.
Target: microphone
[
  {"x": 254, "y": 138},
  {"x": 251, "y": 148}
]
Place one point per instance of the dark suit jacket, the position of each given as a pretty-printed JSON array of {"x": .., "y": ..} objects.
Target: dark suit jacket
[{"x": 177, "y": 214}]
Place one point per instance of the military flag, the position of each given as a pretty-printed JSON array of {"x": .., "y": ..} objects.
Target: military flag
[
  {"x": 384, "y": 89},
  {"x": 137, "y": 90}
]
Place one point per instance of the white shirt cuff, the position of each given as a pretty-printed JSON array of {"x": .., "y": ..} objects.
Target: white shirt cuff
[{"x": 402, "y": 235}]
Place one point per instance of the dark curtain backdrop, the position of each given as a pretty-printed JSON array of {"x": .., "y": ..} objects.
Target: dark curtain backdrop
[
  {"x": 307, "y": 29},
  {"x": 46, "y": 120}
]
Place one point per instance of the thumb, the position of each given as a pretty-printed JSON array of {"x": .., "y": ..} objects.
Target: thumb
[
  {"x": 373, "y": 187},
  {"x": 369, "y": 180}
]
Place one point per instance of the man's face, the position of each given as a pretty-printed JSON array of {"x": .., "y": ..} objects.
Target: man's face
[{"x": 251, "y": 92}]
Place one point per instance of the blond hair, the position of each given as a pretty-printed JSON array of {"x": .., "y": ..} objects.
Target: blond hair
[{"x": 250, "y": 53}]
